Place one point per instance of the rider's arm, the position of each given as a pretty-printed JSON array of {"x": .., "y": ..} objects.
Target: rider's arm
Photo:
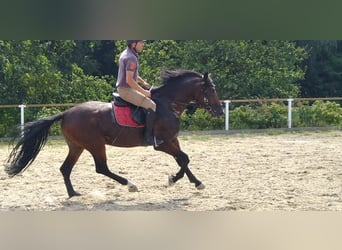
[
  {"x": 144, "y": 83},
  {"x": 133, "y": 84}
]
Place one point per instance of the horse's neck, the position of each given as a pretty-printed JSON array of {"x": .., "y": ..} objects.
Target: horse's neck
[{"x": 176, "y": 100}]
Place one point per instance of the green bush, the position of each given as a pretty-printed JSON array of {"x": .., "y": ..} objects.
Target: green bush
[
  {"x": 201, "y": 120},
  {"x": 274, "y": 115},
  {"x": 320, "y": 114},
  {"x": 259, "y": 117},
  {"x": 327, "y": 113},
  {"x": 48, "y": 112},
  {"x": 7, "y": 118},
  {"x": 254, "y": 116},
  {"x": 243, "y": 117}
]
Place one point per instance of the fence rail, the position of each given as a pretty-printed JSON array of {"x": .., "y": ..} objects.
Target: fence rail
[
  {"x": 285, "y": 99},
  {"x": 290, "y": 102}
]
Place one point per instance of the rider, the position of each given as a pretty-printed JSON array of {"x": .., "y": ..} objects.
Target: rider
[{"x": 129, "y": 89}]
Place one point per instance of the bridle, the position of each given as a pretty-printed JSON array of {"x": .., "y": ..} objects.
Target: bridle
[
  {"x": 205, "y": 88},
  {"x": 202, "y": 98}
]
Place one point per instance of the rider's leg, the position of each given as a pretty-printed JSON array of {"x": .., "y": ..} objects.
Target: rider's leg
[
  {"x": 138, "y": 99},
  {"x": 148, "y": 135}
]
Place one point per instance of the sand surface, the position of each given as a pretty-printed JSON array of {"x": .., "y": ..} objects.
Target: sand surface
[{"x": 291, "y": 171}]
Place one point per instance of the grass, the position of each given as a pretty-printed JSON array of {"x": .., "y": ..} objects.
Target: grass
[{"x": 196, "y": 137}]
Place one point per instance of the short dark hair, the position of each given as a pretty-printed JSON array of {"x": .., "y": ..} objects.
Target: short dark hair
[{"x": 130, "y": 42}]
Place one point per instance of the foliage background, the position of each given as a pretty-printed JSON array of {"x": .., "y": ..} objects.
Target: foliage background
[{"x": 73, "y": 71}]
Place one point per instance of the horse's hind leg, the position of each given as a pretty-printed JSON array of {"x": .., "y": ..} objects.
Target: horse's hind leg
[
  {"x": 73, "y": 155},
  {"x": 100, "y": 159}
]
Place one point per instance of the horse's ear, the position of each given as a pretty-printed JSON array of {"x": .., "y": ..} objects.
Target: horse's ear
[{"x": 206, "y": 77}]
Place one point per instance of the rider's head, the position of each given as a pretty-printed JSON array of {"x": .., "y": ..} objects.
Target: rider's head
[{"x": 136, "y": 45}]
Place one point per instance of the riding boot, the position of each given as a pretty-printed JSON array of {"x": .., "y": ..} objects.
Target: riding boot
[{"x": 148, "y": 136}]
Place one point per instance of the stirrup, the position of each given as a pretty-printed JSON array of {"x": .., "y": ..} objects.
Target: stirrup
[
  {"x": 157, "y": 142},
  {"x": 153, "y": 141}
]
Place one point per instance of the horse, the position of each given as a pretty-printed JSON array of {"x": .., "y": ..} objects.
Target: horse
[{"x": 91, "y": 126}]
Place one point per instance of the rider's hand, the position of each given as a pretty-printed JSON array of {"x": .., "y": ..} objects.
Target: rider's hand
[
  {"x": 147, "y": 86},
  {"x": 148, "y": 94}
]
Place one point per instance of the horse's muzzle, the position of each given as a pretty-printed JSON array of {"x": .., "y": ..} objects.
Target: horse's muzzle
[{"x": 216, "y": 111}]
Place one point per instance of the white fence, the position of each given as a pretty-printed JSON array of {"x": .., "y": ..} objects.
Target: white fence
[
  {"x": 23, "y": 106},
  {"x": 290, "y": 102}
]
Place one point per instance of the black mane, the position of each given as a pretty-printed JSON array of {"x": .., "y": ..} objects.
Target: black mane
[
  {"x": 170, "y": 81},
  {"x": 171, "y": 76}
]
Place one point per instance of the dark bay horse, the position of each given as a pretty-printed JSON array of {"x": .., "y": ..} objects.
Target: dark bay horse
[{"x": 91, "y": 126}]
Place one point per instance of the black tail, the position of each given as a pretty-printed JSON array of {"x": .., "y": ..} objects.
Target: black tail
[{"x": 29, "y": 145}]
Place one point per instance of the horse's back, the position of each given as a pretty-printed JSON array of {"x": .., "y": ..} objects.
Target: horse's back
[
  {"x": 90, "y": 106},
  {"x": 92, "y": 125},
  {"x": 86, "y": 118},
  {"x": 88, "y": 111}
]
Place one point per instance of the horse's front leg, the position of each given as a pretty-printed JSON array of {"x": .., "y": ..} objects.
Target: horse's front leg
[{"x": 182, "y": 160}]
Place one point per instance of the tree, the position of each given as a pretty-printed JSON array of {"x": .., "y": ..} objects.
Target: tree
[
  {"x": 39, "y": 72},
  {"x": 96, "y": 57},
  {"x": 45, "y": 72},
  {"x": 324, "y": 64},
  {"x": 241, "y": 69},
  {"x": 27, "y": 74}
]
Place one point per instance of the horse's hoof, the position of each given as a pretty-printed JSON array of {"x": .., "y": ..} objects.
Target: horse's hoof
[
  {"x": 171, "y": 182},
  {"x": 200, "y": 186},
  {"x": 74, "y": 194},
  {"x": 132, "y": 187}
]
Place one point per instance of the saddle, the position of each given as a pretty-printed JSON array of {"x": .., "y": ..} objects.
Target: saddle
[{"x": 126, "y": 114}]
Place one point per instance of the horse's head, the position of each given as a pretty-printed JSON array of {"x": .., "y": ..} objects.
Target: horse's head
[
  {"x": 208, "y": 98},
  {"x": 189, "y": 87}
]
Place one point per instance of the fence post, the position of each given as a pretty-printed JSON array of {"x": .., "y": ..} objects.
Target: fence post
[
  {"x": 227, "y": 114},
  {"x": 289, "y": 116},
  {"x": 22, "y": 118}
]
